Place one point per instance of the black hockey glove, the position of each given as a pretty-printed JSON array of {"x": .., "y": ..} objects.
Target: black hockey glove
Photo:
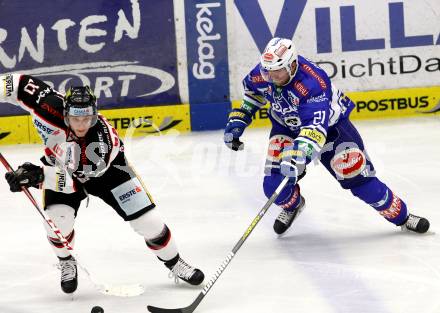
[{"x": 27, "y": 175}]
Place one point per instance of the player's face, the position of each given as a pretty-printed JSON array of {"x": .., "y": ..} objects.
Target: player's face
[
  {"x": 281, "y": 77},
  {"x": 80, "y": 125}
]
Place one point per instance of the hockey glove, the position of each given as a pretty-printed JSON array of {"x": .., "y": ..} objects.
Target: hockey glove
[
  {"x": 289, "y": 167},
  {"x": 238, "y": 120},
  {"x": 27, "y": 175}
]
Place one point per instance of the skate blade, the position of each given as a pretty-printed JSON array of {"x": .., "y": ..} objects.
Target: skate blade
[
  {"x": 407, "y": 231},
  {"x": 122, "y": 290}
]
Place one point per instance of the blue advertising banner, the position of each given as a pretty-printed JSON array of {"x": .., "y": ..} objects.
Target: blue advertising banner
[
  {"x": 208, "y": 69},
  {"x": 125, "y": 50}
]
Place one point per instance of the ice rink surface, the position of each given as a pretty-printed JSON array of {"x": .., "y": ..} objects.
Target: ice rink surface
[{"x": 339, "y": 257}]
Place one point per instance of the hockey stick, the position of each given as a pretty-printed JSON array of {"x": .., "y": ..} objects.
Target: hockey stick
[
  {"x": 120, "y": 291},
  {"x": 229, "y": 257}
]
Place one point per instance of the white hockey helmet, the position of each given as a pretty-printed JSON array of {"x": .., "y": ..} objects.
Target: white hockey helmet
[{"x": 279, "y": 53}]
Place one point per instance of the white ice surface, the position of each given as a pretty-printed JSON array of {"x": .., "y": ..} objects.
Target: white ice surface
[{"x": 340, "y": 256}]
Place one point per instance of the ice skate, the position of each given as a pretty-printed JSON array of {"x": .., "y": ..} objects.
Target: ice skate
[
  {"x": 186, "y": 272},
  {"x": 286, "y": 218},
  {"x": 69, "y": 275},
  {"x": 415, "y": 224}
]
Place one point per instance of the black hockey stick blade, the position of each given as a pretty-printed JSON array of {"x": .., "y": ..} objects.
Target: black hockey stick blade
[
  {"x": 154, "y": 309},
  {"x": 188, "y": 309}
]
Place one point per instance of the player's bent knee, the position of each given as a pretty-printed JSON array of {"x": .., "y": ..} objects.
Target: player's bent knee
[
  {"x": 371, "y": 190},
  {"x": 63, "y": 217},
  {"x": 149, "y": 224},
  {"x": 288, "y": 194}
]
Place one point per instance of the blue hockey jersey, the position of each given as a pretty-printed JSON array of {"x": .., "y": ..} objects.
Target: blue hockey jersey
[{"x": 308, "y": 105}]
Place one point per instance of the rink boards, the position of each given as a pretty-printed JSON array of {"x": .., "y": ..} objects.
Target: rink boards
[
  {"x": 379, "y": 104},
  {"x": 134, "y": 122},
  {"x": 131, "y": 122},
  {"x": 181, "y": 63}
]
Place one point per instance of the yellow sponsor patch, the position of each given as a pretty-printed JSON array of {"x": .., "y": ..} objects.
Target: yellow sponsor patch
[
  {"x": 291, "y": 154},
  {"x": 237, "y": 114},
  {"x": 314, "y": 135}
]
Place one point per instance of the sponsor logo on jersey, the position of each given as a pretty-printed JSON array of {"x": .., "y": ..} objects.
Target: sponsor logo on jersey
[
  {"x": 293, "y": 99},
  {"x": 315, "y": 75},
  {"x": 8, "y": 85},
  {"x": 313, "y": 134},
  {"x": 58, "y": 150},
  {"x": 300, "y": 88},
  {"x": 293, "y": 121},
  {"x": 102, "y": 145},
  {"x": 43, "y": 93},
  {"x": 43, "y": 128},
  {"x": 61, "y": 181},
  {"x": 52, "y": 110},
  {"x": 131, "y": 196},
  {"x": 126, "y": 196},
  {"x": 257, "y": 79},
  {"x": 348, "y": 163},
  {"x": 317, "y": 99}
]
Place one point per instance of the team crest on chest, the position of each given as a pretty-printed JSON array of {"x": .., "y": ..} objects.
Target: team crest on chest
[
  {"x": 284, "y": 106},
  {"x": 292, "y": 98}
]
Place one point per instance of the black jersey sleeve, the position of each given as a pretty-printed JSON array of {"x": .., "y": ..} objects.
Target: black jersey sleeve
[{"x": 33, "y": 92}]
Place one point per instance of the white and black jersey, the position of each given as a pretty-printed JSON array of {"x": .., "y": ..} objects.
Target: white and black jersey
[
  {"x": 83, "y": 158},
  {"x": 94, "y": 164}
]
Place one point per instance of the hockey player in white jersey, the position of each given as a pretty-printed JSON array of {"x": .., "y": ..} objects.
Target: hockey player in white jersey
[{"x": 83, "y": 155}]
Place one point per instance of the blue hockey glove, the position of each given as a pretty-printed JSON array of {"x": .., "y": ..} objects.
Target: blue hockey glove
[
  {"x": 27, "y": 175},
  {"x": 238, "y": 120}
]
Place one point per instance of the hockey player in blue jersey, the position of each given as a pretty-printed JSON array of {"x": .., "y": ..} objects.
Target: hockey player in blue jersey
[{"x": 310, "y": 120}]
